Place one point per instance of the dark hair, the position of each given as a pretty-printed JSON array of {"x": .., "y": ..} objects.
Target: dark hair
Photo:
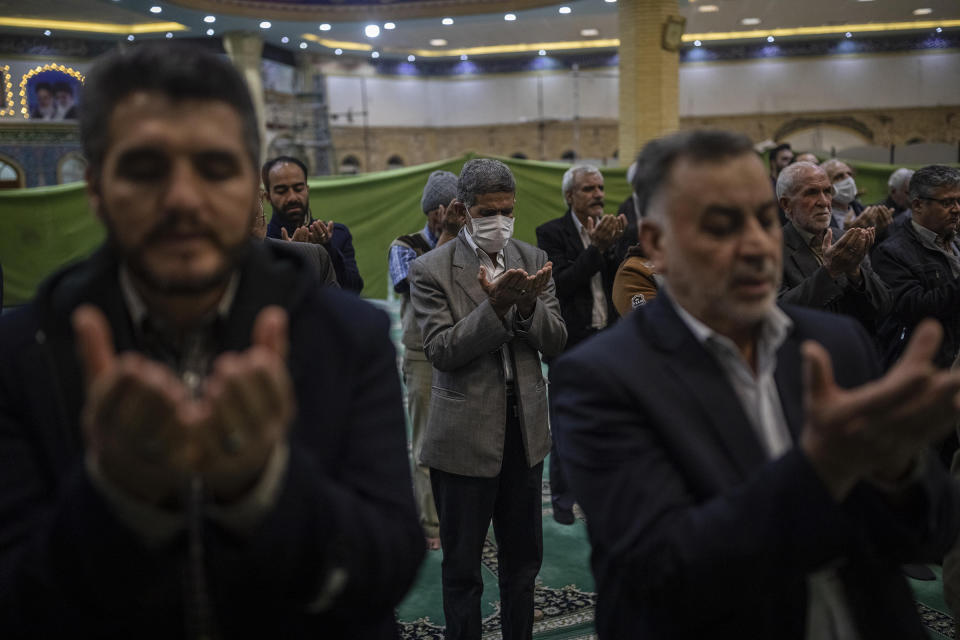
[
  {"x": 934, "y": 176},
  {"x": 483, "y": 175},
  {"x": 783, "y": 146},
  {"x": 269, "y": 164},
  {"x": 46, "y": 86},
  {"x": 62, "y": 86},
  {"x": 177, "y": 71},
  {"x": 657, "y": 158}
]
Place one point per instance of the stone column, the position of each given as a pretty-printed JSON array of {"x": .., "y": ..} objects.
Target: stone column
[
  {"x": 648, "y": 75},
  {"x": 245, "y": 50}
]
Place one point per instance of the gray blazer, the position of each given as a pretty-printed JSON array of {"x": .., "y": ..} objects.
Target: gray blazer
[
  {"x": 315, "y": 256},
  {"x": 462, "y": 336}
]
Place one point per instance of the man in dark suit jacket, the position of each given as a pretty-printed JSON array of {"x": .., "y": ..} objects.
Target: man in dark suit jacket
[
  {"x": 726, "y": 496},
  {"x": 581, "y": 244},
  {"x": 822, "y": 267},
  {"x": 197, "y": 441},
  {"x": 315, "y": 257},
  {"x": 285, "y": 179}
]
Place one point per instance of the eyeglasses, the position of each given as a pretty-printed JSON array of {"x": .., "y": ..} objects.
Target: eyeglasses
[{"x": 946, "y": 203}]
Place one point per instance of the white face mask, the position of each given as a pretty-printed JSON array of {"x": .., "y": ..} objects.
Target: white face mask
[
  {"x": 845, "y": 191},
  {"x": 491, "y": 232}
]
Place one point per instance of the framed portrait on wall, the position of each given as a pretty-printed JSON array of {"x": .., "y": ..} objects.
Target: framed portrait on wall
[{"x": 51, "y": 93}]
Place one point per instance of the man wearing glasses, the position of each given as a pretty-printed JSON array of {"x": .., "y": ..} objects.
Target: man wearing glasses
[{"x": 922, "y": 265}]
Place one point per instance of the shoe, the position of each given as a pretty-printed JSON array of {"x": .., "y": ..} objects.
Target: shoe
[
  {"x": 918, "y": 572},
  {"x": 563, "y": 516}
]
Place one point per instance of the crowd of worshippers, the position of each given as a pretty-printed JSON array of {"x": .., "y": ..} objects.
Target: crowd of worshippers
[{"x": 752, "y": 391}]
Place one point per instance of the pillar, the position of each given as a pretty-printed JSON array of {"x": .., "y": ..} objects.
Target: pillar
[{"x": 245, "y": 51}]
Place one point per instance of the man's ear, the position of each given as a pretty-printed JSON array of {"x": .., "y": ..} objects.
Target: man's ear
[
  {"x": 784, "y": 202},
  {"x": 651, "y": 239},
  {"x": 93, "y": 191}
]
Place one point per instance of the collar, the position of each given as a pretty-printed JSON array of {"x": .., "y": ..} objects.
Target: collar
[
  {"x": 138, "y": 308},
  {"x": 929, "y": 237},
  {"x": 480, "y": 253},
  {"x": 807, "y": 236},
  {"x": 576, "y": 222},
  {"x": 431, "y": 239},
  {"x": 774, "y": 327}
]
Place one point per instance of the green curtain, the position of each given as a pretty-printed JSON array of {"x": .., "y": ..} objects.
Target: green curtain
[{"x": 44, "y": 228}]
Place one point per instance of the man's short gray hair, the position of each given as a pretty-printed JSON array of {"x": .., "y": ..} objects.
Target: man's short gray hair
[
  {"x": 483, "y": 175},
  {"x": 570, "y": 176},
  {"x": 789, "y": 178},
  {"x": 931, "y": 177},
  {"x": 900, "y": 178}
]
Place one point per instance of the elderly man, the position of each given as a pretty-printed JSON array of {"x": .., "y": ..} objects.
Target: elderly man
[
  {"x": 898, "y": 191},
  {"x": 819, "y": 272},
  {"x": 170, "y": 468},
  {"x": 486, "y": 308},
  {"x": 921, "y": 264},
  {"x": 285, "y": 179},
  {"x": 581, "y": 244},
  {"x": 438, "y": 193},
  {"x": 846, "y": 210},
  {"x": 732, "y": 488}
]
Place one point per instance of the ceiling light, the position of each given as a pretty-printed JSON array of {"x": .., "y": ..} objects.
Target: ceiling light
[
  {"x": 156, "y": 9},
  {"x": 375, "y": 55},
  {"x": 210, "y": 32},
  {"x": 324, "y": 27},
  {"x": 609, "y": 1},
  {"x": 130, "y": 38},
  {"x": 564, "y": 10},
  {"x": 542, "y": 52},
  {"x": 589, "y": 32},
  {"x": 338, "y": 52},
  {"x": 770, "y": 38},
  {"x": 210, "y": 19},
  {"x": 411, "y": 58},
  {"x": 169, "y": 35},
  {"x": 848, "y": 34},
  {"x": 864, "y": 0},
  {"x": 749, "y": 21},
  {"x": 303, "y": 45},
  {"x": 47, "y": 32},
  {"x": 265, "y": 25},
  {"x": 939, "y": 30},
  {"x": 697, "y": 43},
  {"x": 284, "y": 39},
  {"x": 371, "y": 31},
  {"x": 708, "y": 8},
  {"x": 463, "y": 57},
  {"x": 510, "y": 17},
  {"x": 438, "y": 42},
  {"x": 922, "y": 12},
  {"x": 447, "y": 21},
  {"x": 389, "y": 26}
]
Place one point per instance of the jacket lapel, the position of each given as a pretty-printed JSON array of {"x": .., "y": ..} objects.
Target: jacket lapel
[
  {"x": 466, "y": 265},
  {"x": 790, "y": 384},
  {"x": 706, "y": 385},
  {"x": 800, "y": 252}
]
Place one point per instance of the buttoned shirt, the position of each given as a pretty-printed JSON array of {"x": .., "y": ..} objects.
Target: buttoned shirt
[
  {"x": 931, "y": 240},
  {"x": 400, "y": 257},
  {"x": 596, "y": 281}
]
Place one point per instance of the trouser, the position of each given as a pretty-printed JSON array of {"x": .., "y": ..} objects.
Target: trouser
[
  {"x": 418, "y": 378},
  {"x": 466, "y": 506}
]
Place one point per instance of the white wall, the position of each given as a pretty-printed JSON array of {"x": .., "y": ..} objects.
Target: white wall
[{"x": 775, "y": 85}]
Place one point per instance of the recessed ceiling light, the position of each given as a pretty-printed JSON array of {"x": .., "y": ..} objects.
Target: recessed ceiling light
[
  {"x": 697, "y": 43},
  {"x": 509, "y": 17},
  {"x": 922, "y": 12},
  {"x": 587, "y": 33},
  {"x": 609, "y": 1},
  {"x": 47, "y": 32},
  {"x": 750, "y": 21},
  {"x": 389, "y": 26},
  {"x": 770, "y": 38},
  {"x": 375, "y": 55},
  {"x": 303, "y": 45},
  {"x": 542, "y": 52},
  {"x": 708, "y": 8},
  {"x": 463, "y": 57},
  {"x": 265, "y": 25},
  {"x": 864, "y": 0},
  {"x": 169, "y": 35},
  {"x": 848, "y": 35},
  {"x": 324, "y": 27},
  {"x": 447, "y": 21},
  {"x": 438, "y": 42},
  {"x": 564, "y": 10},
  {"x": 338, "y": 52},
  {"x": 284, "y": 39},
  {"x": 210, "y": 19},
  {"x": 210, "y": 32},
  {"x": 411, "y": 58},
  {"x": 131, "y": 38},
  {"x": 939, "y": 30},
  {"x": 156, "y": 9},
  {"x": 371, "y": 31}
]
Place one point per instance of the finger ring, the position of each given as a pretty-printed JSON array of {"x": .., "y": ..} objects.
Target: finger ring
[{"x": 233, "y": 441}]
